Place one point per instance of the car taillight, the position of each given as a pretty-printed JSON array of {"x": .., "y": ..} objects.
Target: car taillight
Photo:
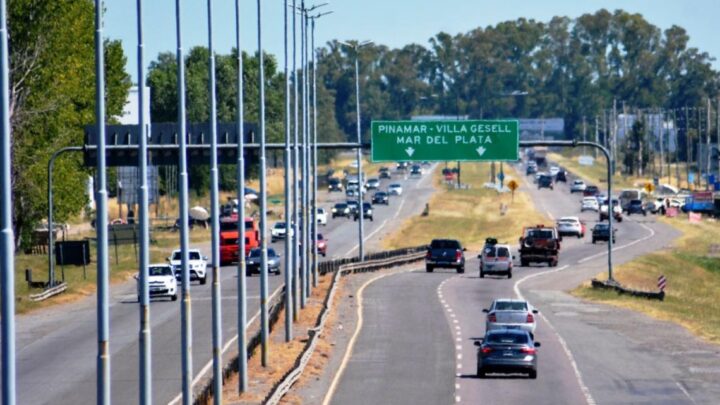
[
  {"x": 486, "y": 350},
  {"x": 427, "y": 255},
  {"x": 492, "y": 318},
  {"x": 458, "y": 255},
  {"x": 528, "y": 350},
  {"x": 530, "y": 318}
]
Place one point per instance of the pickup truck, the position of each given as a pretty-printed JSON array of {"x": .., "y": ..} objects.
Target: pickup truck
[
  {"x": 539, "y": 244},
  {"x": 447, "y": 253}
]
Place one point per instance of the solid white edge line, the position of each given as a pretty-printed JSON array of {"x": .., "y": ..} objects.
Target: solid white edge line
[
  {"x": 687, "y": 394},
  {"x": 604, "y": 253},
  {"x": 563, "y": 343},
  {"x": 367, "y": 237},
  {"x": 353, "y": 339}
]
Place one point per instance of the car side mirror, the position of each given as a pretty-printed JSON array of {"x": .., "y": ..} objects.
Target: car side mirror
[
  {"x": 205, "y": 258},
  {"x": 476, "y": 343},
  {"x": 167, "y": 259},
  {"x": 534, "y": 311},
  {"x": 486, "y": 310},
  {"x": 537, "y": 344},
  {"x": 464, "y": 249},
  {"x": 136, "y": 277}
]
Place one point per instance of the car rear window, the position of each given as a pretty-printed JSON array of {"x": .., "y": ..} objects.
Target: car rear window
[
  {"x": 503, "y": 252},
  {"x": 540, "y": 233},
  {"x": 507, "y": 338},
  {"x": 510, "y": 306},
  {"x": 444, "y": 244}
]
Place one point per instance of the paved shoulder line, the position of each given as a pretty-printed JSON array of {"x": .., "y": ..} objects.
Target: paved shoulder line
[
  {"x": 353, "y": 339},
  {"x": 566, "y": 349},
  {"x": 651, "y": 233}
]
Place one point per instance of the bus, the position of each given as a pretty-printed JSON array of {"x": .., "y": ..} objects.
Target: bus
[
  {"x": 229, "y": 238},
  {"x": 630, "y": 194}
]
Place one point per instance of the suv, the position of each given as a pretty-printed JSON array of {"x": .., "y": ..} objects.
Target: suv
[
  {"x": 635, "y": 207},
  {"x": 545, "y": 181},
  {"x": 161, "y": 282},
  {"x": 495, "y": 259},
  {"x": 447, "y": 253},
  {"x": 335, "y": 185},
  {"x": 539, "y": 244},
  {"x": 381, "y": 197},
  {"x": 197, "y": 265},
  {"x": 367, "y": 212}
]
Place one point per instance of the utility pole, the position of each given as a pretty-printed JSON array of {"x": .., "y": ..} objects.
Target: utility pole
[
  {"x": 288, "y": 212},
  {"x": 597, "y": 136},
  {"x": 717, "y": 128},
  {"x": 687, "y": 146},
  {"x": 614, "y": 134},
  {"x": 663, "y": 126},
  {"x": 708, "y": 151}
]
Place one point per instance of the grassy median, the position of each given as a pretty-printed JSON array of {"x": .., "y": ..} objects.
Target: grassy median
[
  {"x": 693, "y": 276},
  {"x": 469, "y": 215}
]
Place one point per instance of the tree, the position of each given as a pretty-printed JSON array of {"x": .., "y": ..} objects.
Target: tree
[{"x": 52, "y": 97}]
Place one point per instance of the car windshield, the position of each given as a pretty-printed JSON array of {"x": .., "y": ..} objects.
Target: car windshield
[
  {"x": 160, "y": 271},
  {"x": 497, "y": 252},
  {"x": 341, "y": 206},
  {"x": 280, "y": 225},
  {"x": 192, "y": 255},
  {"x": 444, "y": 244},
  {"x": 602, "y": 227},
  {"x": 506, "y": 338},
  {"x": 255, "y": 253},
  {"x": 510, "y": 306},
  {"x": 394, "y": 186},
  {"x": 636, "y": 202}
]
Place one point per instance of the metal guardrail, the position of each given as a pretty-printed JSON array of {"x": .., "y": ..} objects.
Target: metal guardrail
[
  {"x": 614, "y": 285},
  {"x": 49, "y": 292},
  {"x": 292, "y": 376}
]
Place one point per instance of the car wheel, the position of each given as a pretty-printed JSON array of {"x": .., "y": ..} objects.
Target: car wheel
[
  {"x": 532, "y": 374},
  {"x": 203, "y": 280},
  {"x": 139, "y": 298},
  {"x": 510, "y": 274},
  {"x": 248, "y": 274},
  {"x": 461, "y": 269},
  {"x": 552, "y": 263},
  {"x": 174, "y": 297},
  {"x": 480, "y": 373},
  {"x": 429, "y": 268},
  {"x": 593, "y": 241},
  {"x": 482, "y": 274},
  {"x": 524, "y": 263},
  {"x": 580, "y": 236}
]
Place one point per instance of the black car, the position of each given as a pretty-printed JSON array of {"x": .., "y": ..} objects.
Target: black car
[
  {"x": 416, "y": 171},
  {"x": 545, "y": 181},
  {"x": 385, "y": 174},
  {"x": 601, "y": 231},
  {"x": 334, "y": 185},
  {"x": 381, "y": 197},
  {"x": 447, "y": 253},
  {"x": 254, "y": 259},
  {"x": 561, "y": 176},
  {"x": 591, "y": 191},
  {"x": 367, "y": 212},
  {"x": 530, "y": 170},
  {"x": 635, "y": 207},
  {"x": 507, "y": 351},
  {"x": 340, "y": 210}
]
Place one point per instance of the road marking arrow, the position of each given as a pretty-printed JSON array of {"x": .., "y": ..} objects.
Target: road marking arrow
[
  {"x": 410, "y": 151},
  {"x": 480, "y": 150}
]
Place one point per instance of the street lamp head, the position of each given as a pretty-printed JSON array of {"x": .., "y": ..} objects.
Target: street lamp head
[
  {"x": 316, "y": 16},
  {"x": 355, "y": 45}
]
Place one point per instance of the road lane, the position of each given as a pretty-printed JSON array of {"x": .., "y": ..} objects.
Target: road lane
[{"x": 57, "y": 347}]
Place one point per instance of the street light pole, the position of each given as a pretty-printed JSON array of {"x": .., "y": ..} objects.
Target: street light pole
[{"x": 286, "y": 165}]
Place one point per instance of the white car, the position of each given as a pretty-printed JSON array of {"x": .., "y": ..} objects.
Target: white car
[
  {"x": 197, "y": 265},
  {"x": 161, "y": 282},
  {"x": 508, "y": 313},
  {"x": 578, "y": 186},
  {"x": 589, "y": 204},
  {"x": 279, "y": 231},
  {"x": 321, "y": 216},
  {"x": 395, "y": 189},
  {"x": 496, "y": 259},
  {"x": 554, "y": 170},
  {"x": 571, "y": 226}
]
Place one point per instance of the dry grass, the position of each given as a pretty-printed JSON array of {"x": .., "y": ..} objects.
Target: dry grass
[
  {"x": 469, "y": 215},
  {"x": 693, "y": 281}
]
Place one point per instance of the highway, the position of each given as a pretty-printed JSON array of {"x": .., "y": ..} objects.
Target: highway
[
  {"x": 56, "y": 347},
  {"x": 416, "y": 344}
]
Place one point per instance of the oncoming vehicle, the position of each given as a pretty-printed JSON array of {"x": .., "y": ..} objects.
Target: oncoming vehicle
[
  {"x": 161, "y": 282},
  {"x": 447, "y": 253},
  {"x": 321, "y": 216},
  {"x": 373, "y": 184},
  {"x": 197, "y": 265},
  {"x": 545, "y": 181},
  {"x": 278, "y": 231},
  {"x": 322, "y": 245},
  {"x": 539, "y": 244},
  {"x": 506, "y": 313},
  {"x": 335, "y": 185},
  {"x": 507, "y": 351},
  {"x": 495, "y": 259},
  {"x": 367, "y": 212},
  {"x": 591, "y": 191},
  {"x": 416, "y": 171},
  {"x": 229, "y": 238},
  {"x": 616, "y": 210},
  {"x": 254, "y": 261},
  {"x": 395, "y": 189},
  {"x": 340, "y": 210},
  {"x": 381, "y": 197}
]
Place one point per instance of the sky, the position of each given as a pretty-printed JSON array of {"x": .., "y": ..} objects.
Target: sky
[{"x": 394, "y": 23}]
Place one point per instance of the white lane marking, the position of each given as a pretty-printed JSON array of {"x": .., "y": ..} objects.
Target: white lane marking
[
  {"x": 367, "y": 237},
  {"x": 353, "y": 339},
  {"x": 459, "y": 356},
  {"x": 687, "y": 394},
  {"x": 604, "y": 253},
  {"x": 552, "y": 217},
  {"x": 457, "y": 386},
  {"x": 459, "y": 366},
  {"x": 458, "y": 347},
  {"x": 586, "y": 392},
  {"x": 457, "y": 398},
  {"x": 459, "y": 339},
  {"x": 399, "y": 208},
  {"x": 225, "y": 348}
]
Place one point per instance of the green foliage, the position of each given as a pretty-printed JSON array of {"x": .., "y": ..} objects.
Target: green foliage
[{"x": 52, "y": 99}]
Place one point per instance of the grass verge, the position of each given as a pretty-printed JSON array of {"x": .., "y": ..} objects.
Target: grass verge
[
  {"x": 469, "y": 215},
  {"x": 693, "y": 290}
]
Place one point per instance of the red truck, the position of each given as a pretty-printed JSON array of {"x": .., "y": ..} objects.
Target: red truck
[
  {"x": 229, "y": 238},
  {"x": 539, "y": 244}
]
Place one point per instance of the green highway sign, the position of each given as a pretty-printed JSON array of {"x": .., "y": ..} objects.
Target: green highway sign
[{"x": 476, "y": 140}]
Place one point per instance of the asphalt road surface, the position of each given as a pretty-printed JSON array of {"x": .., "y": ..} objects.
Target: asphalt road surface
[
  {"x": 590, "y": 353},
  {"x": 56, "y": 347}
]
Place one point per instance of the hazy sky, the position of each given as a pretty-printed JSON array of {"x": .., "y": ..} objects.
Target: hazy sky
[{"x": 391, "y": 22}]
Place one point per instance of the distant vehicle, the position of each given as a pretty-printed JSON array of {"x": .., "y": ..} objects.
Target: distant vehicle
[
  {"x": 699, "y": 201},
  {"x": 630, "y": 194},
  {"x": 395, "y": 189},
  {"x": 367, "y": 212},
  {"x": 402, "y": 166},
  {"x": 446, "y": 253},
  {"x": 340, "y": 210},
  {"x": 416, "y": 171},
  {"x": 352, "y": 192},
  {"x": 373, "y": 184},
  {"x": 254, "y": 261},
  {"x": 530, "y": 170},
  {"x": 496, "y": 259},
  {"x": 616, "y": 210},
  {"x": 279, "y": 231},
  {"x": 352, "y": 205},
  {"x": 384, "y": 173},
  {"x": 197, "y": 265},
  {"x": 554, "y": 170},
  {"x": 321, "y": 216},
  {"x": 561, "y": 176},
  {"x": 381, "y": 197},
  {"x": 161, "y": 282},
  {"x": 545, "y": 181},
  {"x": 601, "y": 231},
  {"x": 571, "y": 226},
  {"x": 507, "y": 350},
  {"x": 540, "y": 159},
  {"x": 539, "y": 244},
  {"x": 322, "y": 245},
  {"x": 229, "y": 238},
  {"x": 578, "y": 186},
  {"x": 506, "y": 313},
  {"x": 660, "y": 204},
  {"x": 335, "y": 185},
  {"x": 589, "y": 204},
  {"x": 590, "y": 191},
  {"x": 635, "y": 207}
]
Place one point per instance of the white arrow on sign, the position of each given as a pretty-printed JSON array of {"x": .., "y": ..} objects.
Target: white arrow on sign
[
  {"x": 410, "y": 151},
  {"x": 480, "y": 150}
]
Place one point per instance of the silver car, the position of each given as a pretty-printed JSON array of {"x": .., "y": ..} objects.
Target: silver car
[{"x": 509, "y": 313}]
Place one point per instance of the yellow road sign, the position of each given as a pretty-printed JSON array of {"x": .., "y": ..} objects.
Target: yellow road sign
[{"x": 513, "y": 185}]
